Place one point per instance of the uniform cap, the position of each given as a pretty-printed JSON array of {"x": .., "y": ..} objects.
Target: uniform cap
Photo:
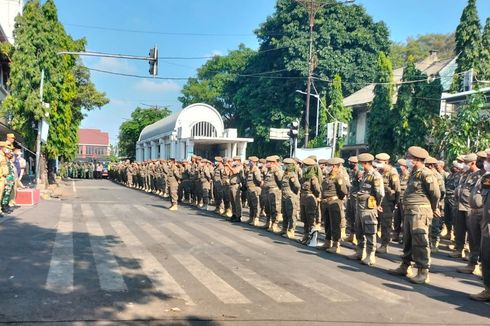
[
  {"x": 10, "y": 136},
  {"x": 313, "y": 157},
  {"x": 309, "y": 161},
  {"x": 402, "y": 162},
  {"x": 470, "y": 157},
  {"x": 383, "y": 157},
  {"x": 365, "y": 157},
  {"x": 262, "y": 160},
  {"x": 322, "y": 161},
  {"x": 460, "y": 158},
  {"x": 253, "y": 158},
  {"x": 418, "y": 152},
  {"x": 218, "y": 159},
  {"x": 288, "y": 161},
  {"x": 275, "y": 157},
  {"x": 237, "y": 158},
  {"x": 482, "y": 154},
  {"x": 334, "y": 161},
  {"x": 353, "y": 159},
  {"x": 441, "y": 163},
  {"x": 430, "y": 160},
  {"x": 297, "y": 160}
]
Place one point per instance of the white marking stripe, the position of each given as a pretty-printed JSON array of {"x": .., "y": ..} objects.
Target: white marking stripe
[
  {"x": 145, "y": 210},
  {"x": 222, "y": 290},
  {"x": 60, "y": 275},
  {"x": 321, "y": 289},
  {"x": 73, "y": 186},
  {"x": 110, "y": 276},
  {"x": 159, "y": 276},
  {"x": 155, "y": 234},
  {"x": 262, "y": 284}
]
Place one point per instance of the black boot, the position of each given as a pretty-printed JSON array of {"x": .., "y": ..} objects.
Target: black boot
[{"x": 6, "y": 209}]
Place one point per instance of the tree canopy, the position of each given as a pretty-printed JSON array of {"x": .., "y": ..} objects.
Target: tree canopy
[{"x": 130, "y": 130}]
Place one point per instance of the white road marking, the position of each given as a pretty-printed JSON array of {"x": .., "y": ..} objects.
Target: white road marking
[
  {"x": 145, "y": 210},
  {"x": 73, "y": 186},
  {"x": 222, "y": 290},
  {"x": 257, "y": 281},
  {"x": 60, "y": 275},
  {"x": 110, "y": 276},
  {"x": 159, "y": 276}
]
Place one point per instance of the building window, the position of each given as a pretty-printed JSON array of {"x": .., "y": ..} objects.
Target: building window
[{"x": 203, "y": 129}]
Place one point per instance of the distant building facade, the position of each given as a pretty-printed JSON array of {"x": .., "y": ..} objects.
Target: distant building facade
[
  {"x": 93, "y": 144},
  {"x": 196, "y": 130}
]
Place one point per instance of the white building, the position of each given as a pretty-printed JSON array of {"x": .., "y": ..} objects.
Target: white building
[
  {"x": 196, "y": 130},
  {"x": 9, "y": 9}
]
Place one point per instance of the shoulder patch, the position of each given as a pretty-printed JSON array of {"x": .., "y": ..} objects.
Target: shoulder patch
[
  {"x": 369, "y": 178},
  {"x": 394, "y": 177},
  {"x": 377, "y": 182}
]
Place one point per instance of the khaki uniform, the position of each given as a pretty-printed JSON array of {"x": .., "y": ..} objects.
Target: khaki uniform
[
  {"x": 355, "y": 179},
  {"x": 369, "y": 197},
  {"x": 290, "y": 188},
  {"x": 450, "y": 203},
  {"x": 254, "y": 181},
  {"x": 272, "y": 182},
  {"x": 391, "y": 182},
  {"x": 205, "y": 181},
  {"x": 236, "y": 179},
  {"x": 468, "y": 181},
  {"x": 398, "y": 214},
  {"x": 420, "y": 199},
  {"x": 310, "y": 194},
  {"x": 334, "y": 190},
  {"x": 435, "y": 230},
  {"x": 474, "y": 222},
  {"x": 485, "y": 230},
  {"x": 218, "y": 187},
  {"x": 173, "y": 177}
]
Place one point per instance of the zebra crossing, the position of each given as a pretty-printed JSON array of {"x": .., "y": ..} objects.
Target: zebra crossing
[{"x": 231, "y": 265}]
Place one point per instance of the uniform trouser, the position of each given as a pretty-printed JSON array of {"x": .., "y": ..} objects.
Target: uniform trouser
[
  {"x": 173, "y": 187},
  {"x": 2, "y": 187},
  {"x": 264, "y": 194},
  {"x": 180, "y": 191},
  {"x": 449, "y": 215},
  {"x": 386, "y": 220},
  {"x": 199, "y": 191},
  {"x": 218, "y": 194},
  {"x": 289, "y": 209},
  {"x": 205, "y": 193},
  {"x": 194, "y": 190},
  {"x": 186, "y": 189},
  {"x": 226, "y": 196},
  {"x": 485, "y": 259},
  {"x": 366, "y": 227},
  {"x": 460, "y": 229},
  {"x": 416, "y": 224},
  {"x": 331, "y": 212},
  {"x": 274, "y": 201},
  {"x": 253, "y": 195},
  {"x": 473, "y": 224},
  {"x": 235, "y": 198},
  {"x": 398, "y": 218},
  {"x": 244, "y": 196},
  {"x": 308, "y": 211}
]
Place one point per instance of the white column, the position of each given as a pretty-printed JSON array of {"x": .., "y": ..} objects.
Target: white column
[
  {"x": 138, "y": 152},
  {"x": 234, "y": 150},
  {"x": 190, "y": 150},
  {"x": 146, "y": 155},
  {"x": 154, "y": 149},
  {"x": 161, "y": 142},
  {"x": 229, "y": 150}
]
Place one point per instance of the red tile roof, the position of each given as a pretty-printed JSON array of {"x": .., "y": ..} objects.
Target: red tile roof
[{"x": 93, "y": 137}]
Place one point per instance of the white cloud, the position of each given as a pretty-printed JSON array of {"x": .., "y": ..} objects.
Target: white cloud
[
  {"x": 114, "y": 65},
  {"x": 154, "y": 86},
  {"x": 215, "y": 52}
]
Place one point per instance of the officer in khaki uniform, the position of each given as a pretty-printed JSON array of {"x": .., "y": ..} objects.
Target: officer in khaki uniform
[
  {"x": 236, "y": 179},
  {"x": 173, "y": 177},
  {"x": 218, "y": 185},
  {"x": 391, "y": 182},
  {"x": 272, "y": 182},
  {"x": 254, "y": 181},
  {"x": 435, "y": 229},
  {"x": 290, "y": 187},
  {"x": 355, "y": 176},
  {"x": 310, "y": 196},
  {"x": 398, "y": 213},
  {"x": 227, "y": 173},
  {"x": 369, "y": 199},
  {"x": 420, "y": 203},
  {"x": 485, "y": 233},
  {"x": 205, "y": 174},
  {"x": 334, "y": 190},
  {"x": 263, "y": 191}
]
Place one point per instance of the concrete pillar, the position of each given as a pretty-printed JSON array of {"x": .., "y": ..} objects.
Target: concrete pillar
[
  {"x": 161, "y": 142},
  {"x": 234, "y": 150},
  {"x": 154, "y": 149}
]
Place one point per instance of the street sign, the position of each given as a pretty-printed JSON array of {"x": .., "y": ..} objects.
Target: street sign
[{"x": 279, "y": 133}]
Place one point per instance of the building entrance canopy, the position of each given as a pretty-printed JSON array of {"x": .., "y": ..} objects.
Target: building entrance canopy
[{"x": 196, "y": 130}]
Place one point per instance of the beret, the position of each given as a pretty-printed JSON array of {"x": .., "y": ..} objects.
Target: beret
[
  {"x": 253, "y": 158},
  {"x": 334, "y": 161},
  {"x": 288, "y": 161},
  {"x": 309, "y": 161},
  {"x": 418, "y": 152},
  {"x": 365, "y": 157},
  {"x": 402, "y": 162},
  {"x": 470, "y": 157},
  {"x": 353, "y": 159},
  {"x": 322, "y": 161},
  {"x": 218, "y": 159},
  {"x": 430, "y": 160},
  {"x": 383, "y": 157},
  {"x": 482, "y": 154}
]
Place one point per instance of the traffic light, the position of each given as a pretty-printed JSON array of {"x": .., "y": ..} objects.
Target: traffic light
[
  {"x": 153, "y": 61},
  {"x": 293, "y": 129}
]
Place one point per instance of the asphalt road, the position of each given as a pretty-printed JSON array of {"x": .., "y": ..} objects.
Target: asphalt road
[{"x": 106, "y": 254}]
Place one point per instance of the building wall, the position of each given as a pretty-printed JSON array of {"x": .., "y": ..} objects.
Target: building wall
[{"x": 9, "y": 9}]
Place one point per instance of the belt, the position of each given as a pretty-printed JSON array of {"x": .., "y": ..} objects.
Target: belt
[{"x": 330, "y": 199}]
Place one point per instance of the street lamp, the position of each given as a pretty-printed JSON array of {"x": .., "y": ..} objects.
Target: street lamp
[{"x": 317, "y": 107}]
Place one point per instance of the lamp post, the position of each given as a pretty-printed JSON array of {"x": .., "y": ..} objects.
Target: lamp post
[{"x": 317, "y": 107}]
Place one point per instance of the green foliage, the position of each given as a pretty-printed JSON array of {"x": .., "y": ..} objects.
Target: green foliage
[
  {"x": 6, "y": 49},
  {"x": 465, "y": 132},
  {"x": 130, "y": 130},
  {"x": 380, "y": 121},
  {"x": 419, "y": 48},
  {"x": 468, "y": 42},
  {"x": 416, "y": 107},
  {"x": 338, "y": 110},
  {"x": 39, "y": 36},
  {"x": 484, "y": 62}
]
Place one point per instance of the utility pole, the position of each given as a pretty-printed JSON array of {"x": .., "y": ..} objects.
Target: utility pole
[
  {"x": 39, "y": 126},
  {"x": 313, "y": 7}
]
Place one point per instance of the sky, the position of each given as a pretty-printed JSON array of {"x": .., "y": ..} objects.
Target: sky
[{"x": 201, "y": 28}]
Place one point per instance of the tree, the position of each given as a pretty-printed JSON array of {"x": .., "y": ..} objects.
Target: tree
[
  {"x": 468, "y": 43},
  {"x": 380, "y": 122},
  {"x": 419, "y": 48},
  {"x": 67, "y": 88},
  {"x": 484, "y": 66},
  {"x": 130, "y": 130}
]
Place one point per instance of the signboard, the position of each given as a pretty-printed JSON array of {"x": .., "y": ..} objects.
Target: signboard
[
  {"x": 279, "y": 133},
  {"x": 321, "y": 153},
  {"x": 44, "y": 131}
]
